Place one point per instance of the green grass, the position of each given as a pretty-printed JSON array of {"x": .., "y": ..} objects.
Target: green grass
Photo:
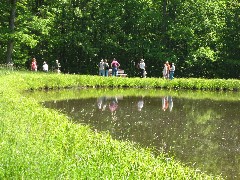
[
  {"x": 41, "y": 80},
  {"x": 40, "y": 143}
]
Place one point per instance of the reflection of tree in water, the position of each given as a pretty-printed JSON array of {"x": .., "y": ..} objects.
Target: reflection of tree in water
[{"x": 209, "y": 136}]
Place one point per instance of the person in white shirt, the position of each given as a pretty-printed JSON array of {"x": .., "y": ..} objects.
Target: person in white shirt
[
  {"x": 101, "y": 68},
  {"x": 142, "y": 68},
  {"x": 165, "y": 71},
  {"x": 172, "y": 69},
  {"x": 45, "y": 66}
]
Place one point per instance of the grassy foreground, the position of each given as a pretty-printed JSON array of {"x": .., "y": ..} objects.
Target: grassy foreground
[{"x": 40, "y": 143}]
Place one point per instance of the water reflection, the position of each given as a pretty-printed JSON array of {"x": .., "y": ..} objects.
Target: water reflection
[
  {"x": 203, "y": 133},
  {"x": 101, "y": 103},
  {"x": 112, "y": 103},
  {"x": 167, "y": 102},
  {"x": 140, "y": 104}
]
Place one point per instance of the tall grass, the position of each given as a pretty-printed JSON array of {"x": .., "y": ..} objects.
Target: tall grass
[
  {"x": 43, "y": 80},
  {"x": 39, "y": 143}
]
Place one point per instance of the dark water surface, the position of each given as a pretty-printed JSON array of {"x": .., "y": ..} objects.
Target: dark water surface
[{"x": 203, "y": 134}]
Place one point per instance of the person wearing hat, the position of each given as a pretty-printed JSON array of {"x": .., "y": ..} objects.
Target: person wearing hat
[{"x": 142, "y": 68}]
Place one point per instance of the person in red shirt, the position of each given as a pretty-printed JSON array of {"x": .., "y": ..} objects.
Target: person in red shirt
[
  {"x": 34, "y": 64},
  {"x": 115, "y": 65},
  {"x": 168, "y": 69}
]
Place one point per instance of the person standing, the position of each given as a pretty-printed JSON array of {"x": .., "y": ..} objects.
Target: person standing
[
  {"x": 45, "y": 66},
  {"x": 101, "y": 68},
  {"x": 172, "y": 69},
  {"x": 57, "y": 66},
  {"x": 34, "y": 64},
  {"x": 142, "y": 68},
  {"x": 115, "y": 65},
  {"x": 165, "y": 71},
  {"x": 168, "y": 69},
  {"x": 106, "y": 67}
]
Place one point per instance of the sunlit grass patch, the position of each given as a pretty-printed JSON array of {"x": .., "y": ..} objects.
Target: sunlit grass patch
[{"x": 39, "y": 143}]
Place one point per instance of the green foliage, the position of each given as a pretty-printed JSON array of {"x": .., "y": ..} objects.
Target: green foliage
[{"x": 199, "y": 36}]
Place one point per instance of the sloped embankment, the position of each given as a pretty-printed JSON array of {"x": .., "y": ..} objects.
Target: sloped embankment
[{"x": 39, "y": 143}]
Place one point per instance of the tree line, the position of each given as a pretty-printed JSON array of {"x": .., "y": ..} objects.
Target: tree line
[{"x": 201, "y": 37}]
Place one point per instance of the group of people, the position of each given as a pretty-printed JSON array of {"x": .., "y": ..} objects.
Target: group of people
[
  {"x": 34, "y": 66},
  {"x": 104, "y": 67},
  {"x": 168, "y": 70}
]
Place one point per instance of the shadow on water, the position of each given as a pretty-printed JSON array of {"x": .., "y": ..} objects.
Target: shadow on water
[{"x": 200, "y": 132}]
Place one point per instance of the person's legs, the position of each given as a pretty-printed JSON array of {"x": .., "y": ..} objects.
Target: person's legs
[
  {"x": 106, "y": 73},
  {"x": 114, "y": 72},
  {"x": 101, "y": 72},
  {"x": 171, "y": 75},
  {"x": 141, "y": 73},
  {"x": 165, "y": 76}
]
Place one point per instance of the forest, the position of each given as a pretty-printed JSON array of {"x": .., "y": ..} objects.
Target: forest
[{"x": 202, "y": 37}]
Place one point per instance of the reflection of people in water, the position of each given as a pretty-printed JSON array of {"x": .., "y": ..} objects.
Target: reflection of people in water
[
  {"x": 140, "y": 104},
  {"x": 113, "y": 104},
  {"x": 101, "y": 103},
  {"x": 170, "y": 100},
  {"x": 164, "y": 103},
  {"x": 167, "y": 102}
]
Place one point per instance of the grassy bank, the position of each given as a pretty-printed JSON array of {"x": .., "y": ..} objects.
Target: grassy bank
[
  {"x": 39, "y": 143},
  {"x": 63, "y": 80}
]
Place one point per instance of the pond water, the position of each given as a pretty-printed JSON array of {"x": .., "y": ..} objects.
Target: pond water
[{"x": 201, "y": 133}]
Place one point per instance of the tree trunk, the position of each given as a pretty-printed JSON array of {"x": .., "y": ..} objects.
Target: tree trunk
[{"x": 11, "y": 28}]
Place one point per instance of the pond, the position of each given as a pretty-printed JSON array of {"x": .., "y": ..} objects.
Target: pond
[{"x": 203, "y": 133}]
